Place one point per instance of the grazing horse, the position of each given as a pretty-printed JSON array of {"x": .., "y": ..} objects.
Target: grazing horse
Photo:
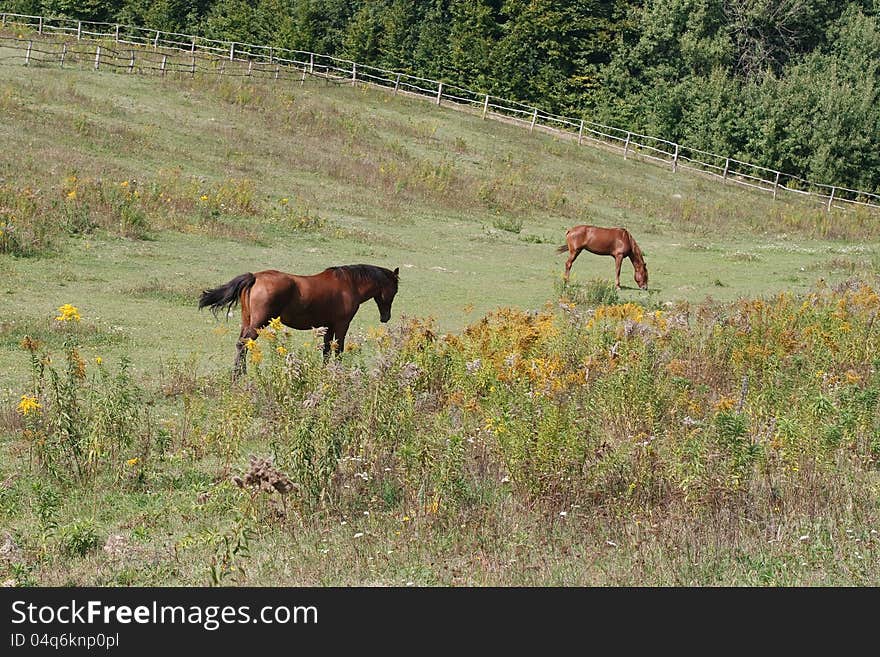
[
  {"x": 615, "y": 242},
  {"x": 329, "y": 299}
]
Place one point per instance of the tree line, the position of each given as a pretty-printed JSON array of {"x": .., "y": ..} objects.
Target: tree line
[{"x": 787, "y": 84}]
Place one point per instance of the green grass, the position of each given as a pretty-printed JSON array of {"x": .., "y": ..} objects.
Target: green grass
[{"x": 299, "y": 178}]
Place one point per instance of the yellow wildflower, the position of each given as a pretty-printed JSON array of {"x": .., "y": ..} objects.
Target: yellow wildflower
[
  {"x": 132, "y": 461},
  {"x": 203, "y": 197},
  {"x": 275, "y": 324},
  {"x": 124, "y": 183},
  {"x": 71, "y": 194},
  {"x": 281, "y": 350},
  {"x": 255, "y": 352},
  {"x": 28, "y": 405},
  {"x": 98, "y": 360},
  {"x": 724, "y": 404},
  {"x": 284, "y": 201},
  {"x": 68, "y": 313},
  {"x": 29, "y": 344}
]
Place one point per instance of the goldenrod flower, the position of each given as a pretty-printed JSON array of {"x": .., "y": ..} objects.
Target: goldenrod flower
[
  {"x": 29, "y": 344},
  {"x": 203, "y": 197},
  {"x": 132, "y": 461},
  {"x": 71, "y": 194},
  {"x": 254, "y": 350},
  {"x": 284, "y": 201},
  {"x": 99, "y": 360},
  {"x": 124, "y": 183},
  {"x": 281, "y": 350},
  {"x": 275, "y": 324},
  {"x": 28, "y": 405},
  {"x": 68, "y": 313}
]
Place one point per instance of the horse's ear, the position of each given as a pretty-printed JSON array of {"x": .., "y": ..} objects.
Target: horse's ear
[{"x": 397, "y": 272}]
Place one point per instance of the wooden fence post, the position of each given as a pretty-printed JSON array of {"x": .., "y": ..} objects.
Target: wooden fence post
[
  {"x": 775, "y": 185},
  {"x": 192, "y": 45},
  {"x": 397, "y": 84},
  {"x": 250, "y": 66},
  {"x": 831, "y": 198},
  {"x": 534, "y": 118},
  {"x": 302, "y": 80},
  {"x": 164, "y": 59},
  {"x": 439, "y": 92},
  {"x": 277, "y": 69},
  {"x": 192, "y": 72},
  {"x": 485, "y": 106},
  {"x": 63, "y": 53},
  {"x": 117, "y": 33},
  {"x": 354, "y": 72},
  {"x": 581, "y": 133},
  {"x": 40, "y": 28},
  {"x": 27, "y": 55},
  {"x": 79, "y": 30},
  {"x": 626, "y": 144},
  {"x": 232, "y": 51},
  {"x": 131, "y": 61},
  {"x": 4, "y": 19},
  {"x": 675, "y": 160},
  {"x": 156, "y": 40},
  {"x": 97, "y": 57},
  {"x": 311, "y": 63}
]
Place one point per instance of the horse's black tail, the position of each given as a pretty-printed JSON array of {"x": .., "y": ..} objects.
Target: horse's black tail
[{"x": 226, "y": 296}]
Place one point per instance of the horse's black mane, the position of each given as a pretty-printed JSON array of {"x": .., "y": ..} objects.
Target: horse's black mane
[{"x": 378, "y": 275}]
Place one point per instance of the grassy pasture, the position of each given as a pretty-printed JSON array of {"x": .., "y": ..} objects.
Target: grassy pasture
[{"x": 129, "y": 195}]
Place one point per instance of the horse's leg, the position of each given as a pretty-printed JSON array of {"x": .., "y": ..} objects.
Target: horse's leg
[
  {"x": 341, "y": 331},
  {"x": 618, "y": 259},
  {"x": 570, "y": 262},
  {"x": 328, "y": 343},
  {"x": 240, "y": 366}
]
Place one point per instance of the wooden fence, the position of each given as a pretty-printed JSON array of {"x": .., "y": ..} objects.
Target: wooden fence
[{"x": 141, "y": 50}]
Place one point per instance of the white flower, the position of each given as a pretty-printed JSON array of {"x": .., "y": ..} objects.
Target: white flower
[
  {"x": 359, "y": 534},
  {"x": 563, "y": 513}
]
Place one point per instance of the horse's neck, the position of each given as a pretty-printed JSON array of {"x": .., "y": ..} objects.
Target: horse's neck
[
  {"x": 366, "y": 290},
  {"x": 635, "y": 254}
]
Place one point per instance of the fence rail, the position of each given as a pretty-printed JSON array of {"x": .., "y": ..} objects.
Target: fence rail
[{"x": 159, "y": 52}]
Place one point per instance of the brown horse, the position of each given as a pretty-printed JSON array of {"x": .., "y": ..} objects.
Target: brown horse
[
  {"x": 615, "y": 242},
  {"x": 329, "y": 299}
]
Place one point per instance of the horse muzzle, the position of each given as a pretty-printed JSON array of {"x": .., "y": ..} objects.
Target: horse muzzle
[{"x": 384, "y": 318}]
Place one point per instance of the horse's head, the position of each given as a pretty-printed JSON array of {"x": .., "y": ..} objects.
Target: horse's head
[
  {"x": 385, "y": 295},
  {"x": 641, "y": 275}
]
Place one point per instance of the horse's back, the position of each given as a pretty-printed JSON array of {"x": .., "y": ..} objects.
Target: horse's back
[{"x": 598, "y": 239}]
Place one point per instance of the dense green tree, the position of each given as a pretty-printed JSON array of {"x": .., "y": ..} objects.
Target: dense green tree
[{"x": 787, "y": 84}]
